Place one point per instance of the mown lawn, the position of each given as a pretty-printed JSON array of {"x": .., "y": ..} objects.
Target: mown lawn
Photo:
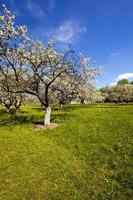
[{"x": 89, "y": 156}]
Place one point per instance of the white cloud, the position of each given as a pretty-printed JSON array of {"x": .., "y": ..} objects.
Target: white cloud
[
  {"x": 68, "y": 32},
  {"x": 35, "y": 9},
  {"x": 122, "y": 76},
  {"x": 114, "y": 54},
  {"x": 125, "y": 76}
]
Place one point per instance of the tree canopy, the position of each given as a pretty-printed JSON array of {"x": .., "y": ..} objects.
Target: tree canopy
[
  {"x": 29, "y": 66},
  {"x": 123, "y": 82}
]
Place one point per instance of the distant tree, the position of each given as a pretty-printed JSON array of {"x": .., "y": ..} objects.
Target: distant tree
[
  {"x": 123, "y": 82},
  {"x": 111, "y": 94},
  {"x": 10, "y": 35},
  {"x": 85, "y": 93},
  {"x": 6, "y": 100},
  {"x": 7, "y": 97},
  {"x": 131, "y": 82},
  {"x": 66, "y": 91},
  {"x": 97, "y": 97},
  {"x": 118, "y": 93}
]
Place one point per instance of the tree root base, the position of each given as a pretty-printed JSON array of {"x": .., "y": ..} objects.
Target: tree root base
[{"x": 41, "y": 126}]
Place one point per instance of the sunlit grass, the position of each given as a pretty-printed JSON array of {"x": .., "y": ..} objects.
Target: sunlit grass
[{"x": 89, "y": 156}]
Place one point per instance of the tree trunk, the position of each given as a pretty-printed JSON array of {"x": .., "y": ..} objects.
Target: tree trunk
[
  {"x": 116, "y": 103},
  {"x": 17, "y": 110},
  {"x": 61, "y": 106},
  {"x": 7, "y": 110},
  {"x": 47, "y": 116}
]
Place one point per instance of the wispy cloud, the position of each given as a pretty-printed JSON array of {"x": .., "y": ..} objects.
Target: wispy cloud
[
  {"x": 122, "y": 76},
  {"x": 35, "y": 9},
  {"x": 67, "y": 32},
  {"x": 114, "y": 54}
]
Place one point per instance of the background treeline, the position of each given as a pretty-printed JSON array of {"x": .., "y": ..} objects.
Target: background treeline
[{"x": 122, "y": 92}]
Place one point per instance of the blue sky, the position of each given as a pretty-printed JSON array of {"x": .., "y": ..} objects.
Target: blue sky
[{"x": 100, "y": 29}]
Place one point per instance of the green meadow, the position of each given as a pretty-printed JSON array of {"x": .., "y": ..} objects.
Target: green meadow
[{"x": 89, "y": 156}]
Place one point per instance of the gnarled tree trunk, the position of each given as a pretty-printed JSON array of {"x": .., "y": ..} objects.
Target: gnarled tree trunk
[
  {"x": 47, "y": 116},
  {"x": 17, "y": 104}
]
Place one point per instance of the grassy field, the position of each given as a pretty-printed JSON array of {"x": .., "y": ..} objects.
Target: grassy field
[{"x": 89, "y": 156}]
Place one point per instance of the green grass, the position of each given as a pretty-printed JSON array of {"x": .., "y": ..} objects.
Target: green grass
[{"x": 89, "y": 156}]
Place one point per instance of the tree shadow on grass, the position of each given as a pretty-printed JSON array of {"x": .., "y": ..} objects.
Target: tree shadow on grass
[
  {"x": 3, "y": 111},
  {"x": 92, "y": 106},
  {"x": 71, "y": 107},
  {"x": 62, "y": 117},
  {"x": 38, "y": 108},
  {"x": 66, "y": 107},
  {"x": 10, "y": 119}
]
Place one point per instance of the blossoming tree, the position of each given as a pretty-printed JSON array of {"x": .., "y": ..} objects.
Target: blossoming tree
[{"x": 37, "y": 69}]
